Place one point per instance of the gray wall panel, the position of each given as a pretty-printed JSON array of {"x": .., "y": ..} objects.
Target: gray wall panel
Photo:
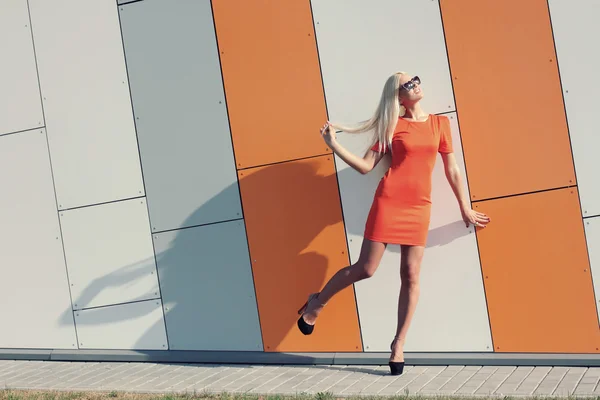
[
  {"x": 575, "y": 27},
  {"x": 207, "y": 288},
  {"x": 180, "y": 112},
  {"x": 20, "y": 105},
  {"x": 33, "y": 285},
  {"x": 109, "y": 254},
  {"x": 361, "y": 43},
  {"x": 452, "y": 312},
  {"x": 87, "y": 105},
  {"x": 133, "y": 326},
  {"x": 592, "y": 234}
]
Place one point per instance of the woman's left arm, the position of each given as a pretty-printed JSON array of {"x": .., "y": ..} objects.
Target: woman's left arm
[{"x": 454, "y": 178}]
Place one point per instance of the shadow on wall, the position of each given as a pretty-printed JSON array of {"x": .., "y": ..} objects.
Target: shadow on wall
[{"x": 224, "y": 319}]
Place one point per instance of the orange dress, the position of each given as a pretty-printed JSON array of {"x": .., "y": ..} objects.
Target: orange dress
[{"x": 401, "y": 208}]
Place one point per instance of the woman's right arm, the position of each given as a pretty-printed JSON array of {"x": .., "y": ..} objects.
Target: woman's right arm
[{"x": 362, "y": 165}]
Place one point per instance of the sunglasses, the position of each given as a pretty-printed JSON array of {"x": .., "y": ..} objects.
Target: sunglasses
[{"x": 411, "y": 84}]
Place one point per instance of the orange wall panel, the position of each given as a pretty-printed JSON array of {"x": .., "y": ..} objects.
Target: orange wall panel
[
  {"x": 508, "y": 96},
  {"x": 272, "y": 79},
  {"x": 297, "y": 242},
  {"x": 537, "y": 275}
]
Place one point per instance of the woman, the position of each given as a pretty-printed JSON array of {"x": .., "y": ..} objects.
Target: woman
[{"x": 400, "y": 212}]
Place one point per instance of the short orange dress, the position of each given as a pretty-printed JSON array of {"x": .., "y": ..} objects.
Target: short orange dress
[{"x": 401, "y": 208}]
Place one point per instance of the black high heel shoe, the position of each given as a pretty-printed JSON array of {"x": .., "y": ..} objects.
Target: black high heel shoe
[
  {"x": 396, "y": 367},
  {"x": 304, "y": 326}
]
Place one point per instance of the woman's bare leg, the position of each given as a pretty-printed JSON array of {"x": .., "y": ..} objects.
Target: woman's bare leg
[
  {"x": 365, "y": 267},
  {"x": 410, "y": 267}
]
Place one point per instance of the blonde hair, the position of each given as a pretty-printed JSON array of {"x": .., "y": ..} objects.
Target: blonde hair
[{"x": 385, "y": 117}]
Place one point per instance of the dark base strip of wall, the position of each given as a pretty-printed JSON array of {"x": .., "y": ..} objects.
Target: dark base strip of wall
[{"x": 243, "y": 357}]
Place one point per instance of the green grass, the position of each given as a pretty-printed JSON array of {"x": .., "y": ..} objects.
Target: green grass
[{"x": 8, "y": 394}]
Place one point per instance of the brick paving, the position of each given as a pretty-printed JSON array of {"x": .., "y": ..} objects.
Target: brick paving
[{"x": 339, "y": 380}]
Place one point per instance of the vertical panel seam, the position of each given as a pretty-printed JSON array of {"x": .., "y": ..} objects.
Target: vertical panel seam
[
  {"x": 235, "y": 165},
  {"x": 52, "y": 175},
  {"x": 467, "y": 177},
  {"x": 360, "y": 332},
  {"x": 581, "y": 210},
  {"x": 137, "y": 142}
]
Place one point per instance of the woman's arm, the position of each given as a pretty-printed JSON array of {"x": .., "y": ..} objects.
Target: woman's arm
[
  {"x": 362, "y": 165},
  {"x": 455, "y": 180}
]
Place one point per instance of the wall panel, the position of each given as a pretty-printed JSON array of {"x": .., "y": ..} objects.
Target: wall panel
[
  {"x": 20, "y": 104},
  {"x": 86, "y": 101},
  {"x": 574, "y": 24},
  {"x": 109, "y": 254},
  {"x": 134, "y": 326},
  {"x": 359, "y": 48},
  {"x": 537, "y": 275},
  {"x": 592, "y": 234},
  {"x": 207, "y": 288},
  {"x": 34, "y": 285},
  {"x": 450, "y": 267},
  {"x": 181, "y": 116},
  {"x": 508, "y": 96},
  {"x": 272, "y": 80},
  {"x": 296, "y": 237}
]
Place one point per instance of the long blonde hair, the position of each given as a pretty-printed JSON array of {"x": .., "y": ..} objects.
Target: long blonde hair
[{"x": 384, "y": 118}]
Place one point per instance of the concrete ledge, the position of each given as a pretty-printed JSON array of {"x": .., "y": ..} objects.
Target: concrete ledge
[
  {"x": 492, "y": 359},
  {"x": 25, "y": 354},
  {"x": 241, "y": 357}
]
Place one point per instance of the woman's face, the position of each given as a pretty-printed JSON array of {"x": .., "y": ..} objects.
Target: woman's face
[{"x": 410, "y": 89}]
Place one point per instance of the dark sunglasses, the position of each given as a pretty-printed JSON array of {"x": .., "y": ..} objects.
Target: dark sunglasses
[{"x": 411, "y": 84}]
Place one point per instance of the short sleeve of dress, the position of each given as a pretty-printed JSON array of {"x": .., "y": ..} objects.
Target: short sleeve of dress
[{"x": 445, "y": 145}]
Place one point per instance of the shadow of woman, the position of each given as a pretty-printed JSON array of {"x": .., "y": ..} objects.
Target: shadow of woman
[{"x": 212, "y": 298}]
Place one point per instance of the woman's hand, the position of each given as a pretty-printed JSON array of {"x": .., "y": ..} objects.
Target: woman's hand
[
  {"x": 475, "y": 218},
  {"x": 328, "y": 134}
]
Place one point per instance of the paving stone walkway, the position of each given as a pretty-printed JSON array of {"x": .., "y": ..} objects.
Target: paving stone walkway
[{"x": 339, "y": 380}]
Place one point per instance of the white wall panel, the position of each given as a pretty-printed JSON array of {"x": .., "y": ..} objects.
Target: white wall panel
[
  {"x": 452, "y": 295},
  {"x": 592, "y": 233},
  {"x": 134, "y": 326},
  {"x": 20, "y": 105},
  {"x": 86, "y": 101},
  {"x": 181, "y": 115},
  {"x": 34, "y": 287},
  {"x": 361, "y": 43},
  {"x": 207, "y": 288},
  {"x": 109, "y": 254},
  {"x": 575, "y": 27}
]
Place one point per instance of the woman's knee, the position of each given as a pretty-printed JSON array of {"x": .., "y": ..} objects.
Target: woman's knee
[
  {"x": 365, "y": 270},
  {"x": 409, "y": 273}
]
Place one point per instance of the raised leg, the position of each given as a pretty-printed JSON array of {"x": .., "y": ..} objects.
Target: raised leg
[{"x": 365, "y": 267}]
